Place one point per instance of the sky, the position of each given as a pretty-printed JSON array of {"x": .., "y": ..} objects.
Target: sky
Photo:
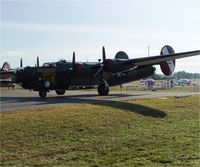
[{"x": 53, "y": 29}]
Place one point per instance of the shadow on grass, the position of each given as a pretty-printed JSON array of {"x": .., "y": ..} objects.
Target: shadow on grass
[
  {"x": 136, "y": 108},
  {"x": 13, "y": 103}
]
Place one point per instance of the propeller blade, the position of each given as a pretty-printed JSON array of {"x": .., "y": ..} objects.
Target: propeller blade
[
  {"x": 103, "y": 53},
  {"x": 38, "y": 62},
  {"x": 102, "y": 64},
  {"x": 98, "y": 72},
  {"x": 21, "y": 63},
  {"x": 73, "y": 60}
]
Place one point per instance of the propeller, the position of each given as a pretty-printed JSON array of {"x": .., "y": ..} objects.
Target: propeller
[
  {"x": 38, "y": 64},
  {"x": 21, "y": 63},
  {"x": 102, "y": 64},
  {"x": 75, "y": 66},
  {"x": 73, "y": 60},
  {"x": 103, "y": 53}
]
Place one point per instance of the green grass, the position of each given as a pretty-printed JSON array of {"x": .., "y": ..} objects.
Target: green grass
[{"x": 150, "y": 132}]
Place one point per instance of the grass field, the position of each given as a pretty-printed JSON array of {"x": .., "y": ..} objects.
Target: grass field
[{"x": 149, "y": 132}]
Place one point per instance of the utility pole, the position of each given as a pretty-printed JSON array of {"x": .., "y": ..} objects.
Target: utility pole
[{"x": 148, "y": 50}]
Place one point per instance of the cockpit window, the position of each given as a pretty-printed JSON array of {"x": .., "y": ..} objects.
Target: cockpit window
[
  {"x": 51, "y": 65},
  {"x": 62, "y": 61}
]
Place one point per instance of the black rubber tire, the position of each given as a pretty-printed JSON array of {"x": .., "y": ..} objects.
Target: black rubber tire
[
  {"x": 103, "y": 89},
  {"x": 42, "y": 94},
  {"x": 60, "y": 92}
]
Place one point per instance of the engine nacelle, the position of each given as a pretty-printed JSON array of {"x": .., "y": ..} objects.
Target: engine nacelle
[{"x": 167, "y": 67}]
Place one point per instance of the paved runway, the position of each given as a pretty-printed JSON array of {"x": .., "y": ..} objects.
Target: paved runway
[{"x": 23, "y": 99}]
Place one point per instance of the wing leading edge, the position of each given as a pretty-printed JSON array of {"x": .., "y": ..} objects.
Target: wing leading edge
[{"x": 153, "y": 60}]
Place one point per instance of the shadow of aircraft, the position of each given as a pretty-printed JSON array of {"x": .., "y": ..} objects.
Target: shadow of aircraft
[
  {"x": 88, "y": 99},
  {"x": 136, "y": 108}
]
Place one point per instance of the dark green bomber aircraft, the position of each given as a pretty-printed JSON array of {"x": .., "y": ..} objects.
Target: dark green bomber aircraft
[{"x": 62, "y": 75}]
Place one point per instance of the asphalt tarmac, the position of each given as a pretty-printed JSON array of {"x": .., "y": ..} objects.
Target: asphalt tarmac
[{"x": 24, "y": 99}]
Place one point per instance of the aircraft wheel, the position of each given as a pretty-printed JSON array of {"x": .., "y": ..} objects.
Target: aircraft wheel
[
  {"x": 103, "y": 89},
  {"x": 60, "y": 92},
  {"x": 42, "y": 94}
]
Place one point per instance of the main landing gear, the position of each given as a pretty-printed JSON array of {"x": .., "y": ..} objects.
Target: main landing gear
[
  {"x": 103, "y": 89},
  {"x": 42, "y": 93},
  {"x": 60, "y": 92}
]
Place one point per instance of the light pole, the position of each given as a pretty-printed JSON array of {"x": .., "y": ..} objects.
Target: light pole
[{"x": 148, "y": 50}]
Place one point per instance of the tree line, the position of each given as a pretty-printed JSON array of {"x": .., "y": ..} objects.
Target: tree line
[{"x": 177, "y": 75}]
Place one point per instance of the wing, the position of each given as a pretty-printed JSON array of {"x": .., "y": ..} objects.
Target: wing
[{"x": 153, "y": 60}]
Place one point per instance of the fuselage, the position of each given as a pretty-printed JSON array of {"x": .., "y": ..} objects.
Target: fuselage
[{"x": 61, "y": 75}]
